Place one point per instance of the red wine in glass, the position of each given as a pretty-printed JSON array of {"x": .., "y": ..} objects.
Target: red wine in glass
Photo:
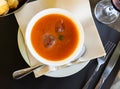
[{"x": 116, "y": 4}]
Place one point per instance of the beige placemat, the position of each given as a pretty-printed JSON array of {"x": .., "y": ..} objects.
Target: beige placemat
[{"x": 81, "y": 8}]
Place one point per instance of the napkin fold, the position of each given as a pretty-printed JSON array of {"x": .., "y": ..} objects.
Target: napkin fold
[{"x": 81, "y": 8}]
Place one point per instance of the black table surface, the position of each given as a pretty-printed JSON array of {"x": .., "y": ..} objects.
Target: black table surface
[{"x": 11, "y": 60}]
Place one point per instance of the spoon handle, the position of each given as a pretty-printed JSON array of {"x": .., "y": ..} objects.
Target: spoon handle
[
  {"x": 43, "y": 68},
  {"x": 23, "y": 72}
]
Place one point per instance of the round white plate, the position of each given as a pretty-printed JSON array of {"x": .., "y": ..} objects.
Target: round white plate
[{"x": 59, "y": 73}]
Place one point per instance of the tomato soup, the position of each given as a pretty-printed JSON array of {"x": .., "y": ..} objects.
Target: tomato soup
[{"x": 54, "y": 37}]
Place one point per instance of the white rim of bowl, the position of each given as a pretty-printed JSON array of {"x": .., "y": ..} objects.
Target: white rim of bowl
[{"x": 55, "y": 11}]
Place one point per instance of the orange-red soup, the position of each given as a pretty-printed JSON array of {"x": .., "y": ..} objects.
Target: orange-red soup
[{"x": 54, "y": 37}]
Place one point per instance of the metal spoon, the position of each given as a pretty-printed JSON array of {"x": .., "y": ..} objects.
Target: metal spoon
[{"x": 23, "y": 72}]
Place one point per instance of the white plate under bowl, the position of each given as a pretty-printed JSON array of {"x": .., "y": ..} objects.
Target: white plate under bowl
[{"x": 59, "y": 73}]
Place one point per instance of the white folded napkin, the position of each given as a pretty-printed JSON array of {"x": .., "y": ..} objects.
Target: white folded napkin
[{"x": 81, "y": 8}]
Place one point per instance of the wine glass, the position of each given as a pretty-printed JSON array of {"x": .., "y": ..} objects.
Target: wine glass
[{"x": 107, "y": 11}]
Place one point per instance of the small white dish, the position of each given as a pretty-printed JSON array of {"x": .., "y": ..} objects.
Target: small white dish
[{"x": 59, "y": 73}]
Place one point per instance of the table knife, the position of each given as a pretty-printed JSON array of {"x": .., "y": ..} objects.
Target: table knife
[{"x": 112, "y": 62}]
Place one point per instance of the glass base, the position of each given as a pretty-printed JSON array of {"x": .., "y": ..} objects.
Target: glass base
[{"x": 105, "y": 13}]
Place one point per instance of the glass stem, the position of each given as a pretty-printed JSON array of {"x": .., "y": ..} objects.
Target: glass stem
[{"x": 109, "y": 10}]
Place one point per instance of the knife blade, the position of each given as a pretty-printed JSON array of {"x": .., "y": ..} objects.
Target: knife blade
[{"x": 109, "y": 67}]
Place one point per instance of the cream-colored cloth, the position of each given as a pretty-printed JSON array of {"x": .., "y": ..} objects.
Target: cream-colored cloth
[{"x": 81, "y": 8}]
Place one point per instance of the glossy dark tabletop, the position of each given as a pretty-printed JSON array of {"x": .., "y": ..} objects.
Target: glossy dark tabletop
[{"x": 12, "y": 60}]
